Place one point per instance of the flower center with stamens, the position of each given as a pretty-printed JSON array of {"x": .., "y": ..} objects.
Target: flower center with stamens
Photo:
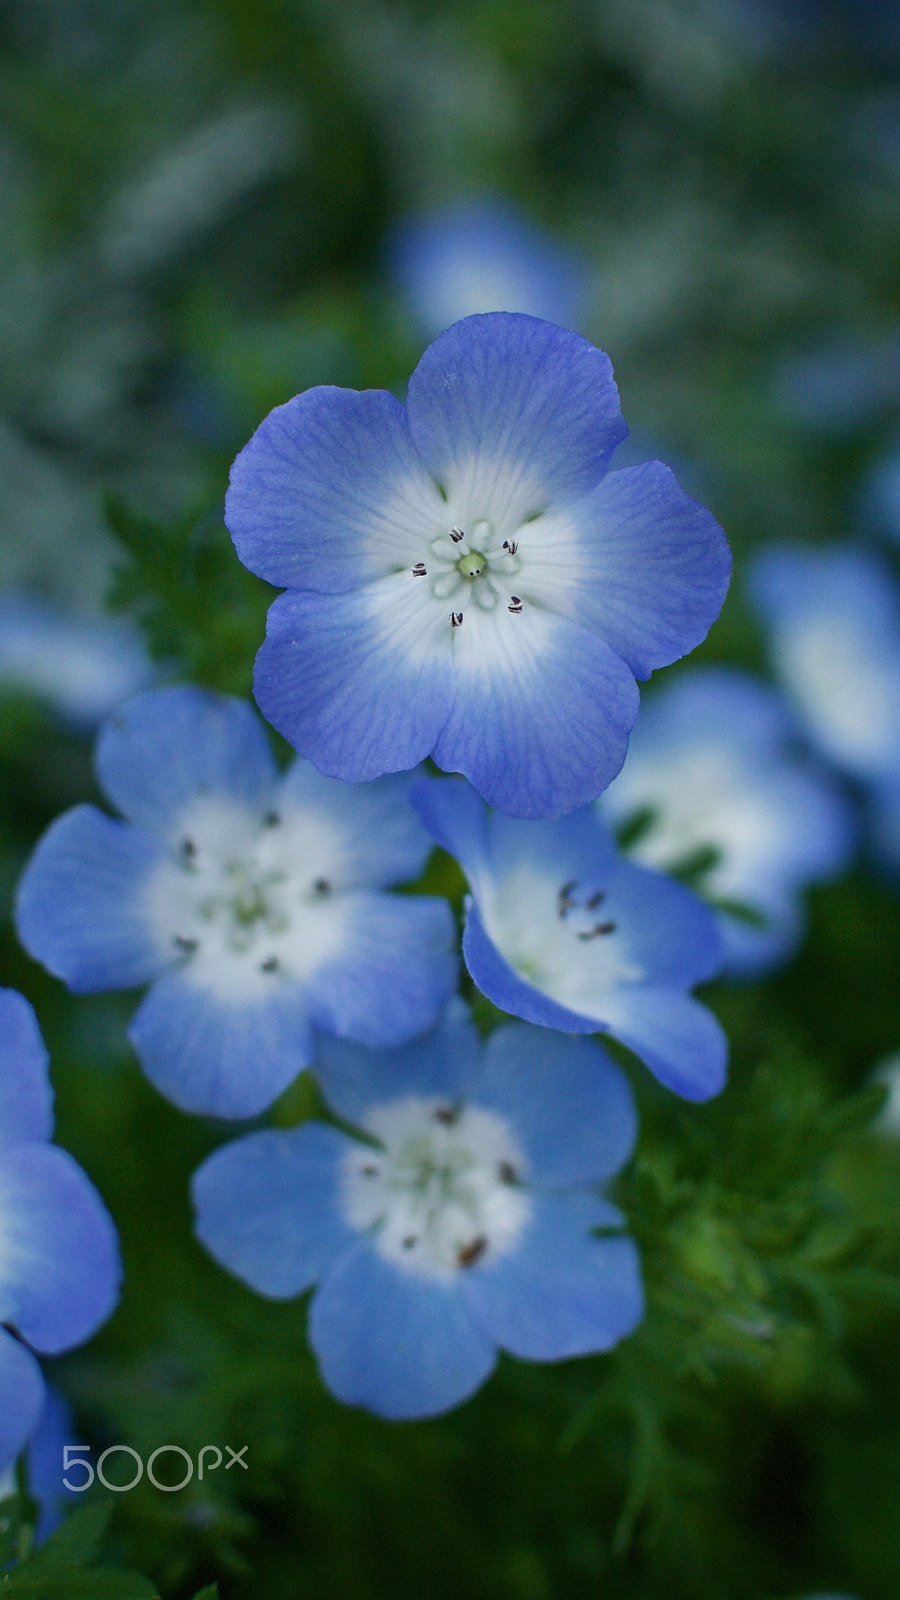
[{"x": 442, "y": 1190}]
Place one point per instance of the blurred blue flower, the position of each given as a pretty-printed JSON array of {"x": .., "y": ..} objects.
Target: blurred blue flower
[
  {"x": 464, "y": 1222},
  {"x": 43, "y": 1465},
  {"x": 251, "y": 901},
  {"x": 484, "y": 255},
  {"x": 81, "y": 666},
  {"x": 562, "y": 931},
  {"x": 880, "y": 497},
  {"x": 710, "y": 777},
  {"x": 59, "y": 1262},
  {"x": 464, "y": 579}
]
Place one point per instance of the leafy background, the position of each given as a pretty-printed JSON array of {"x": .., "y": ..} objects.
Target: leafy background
[{"x": 195, "y": 203}]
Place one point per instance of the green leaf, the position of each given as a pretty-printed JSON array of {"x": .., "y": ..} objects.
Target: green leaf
[
  {"x": 75, "y": 1543},
  {"x": 94, "y": 1583}
]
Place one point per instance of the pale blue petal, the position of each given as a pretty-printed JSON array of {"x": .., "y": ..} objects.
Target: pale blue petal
[
  {"x": 455, "y": 816},
  {"x": 672, "y": 934},
  {"x": 561, "y": 1292},
  {"x": 542, "y": 712},
  {"x": 571, "y": 1107},
  {"x": 21, "y": 1397},
  {"x": 638, "y": 561},
  {"x": 399, "y": 1345},
  {"x": 679, "y": 1039},
  {"x": 26, "y": 1099},
  {"x": 514, "y": 413},
  {"x": 577, "y": 846},
  {"x": 219, "y": 1058},
  {"x": 496, "y": 978},
  {"x": 165, "y": 746},
  {"x": 353, "y": 1078},
  {"x": 59, "y": 1269},
  {"x": 382, "y": 839},
  {"x": 395, "y": 971},
  {"x": 78, "y": 902},
  {"x": 268, "y": 1207},
  {"x": 330, "y": 493},
  {"x": 360, "y": 683}
]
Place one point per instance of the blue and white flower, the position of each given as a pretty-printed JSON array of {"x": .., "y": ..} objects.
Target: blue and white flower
[
  {"x": 484, "y": 255},
  {"x": 465, "y": 579},
  {"x": 563, "y": 931},
  {"x": 462, "y": 1220},
  {"x": 711, "y": 773},
  {"x": 82, "y": 666},
  {"x": 253, "y": 903},
  {"x": 59, "y": 1259}
]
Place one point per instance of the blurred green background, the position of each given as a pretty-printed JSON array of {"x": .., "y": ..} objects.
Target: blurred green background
[{"x": 197, "y": 199}]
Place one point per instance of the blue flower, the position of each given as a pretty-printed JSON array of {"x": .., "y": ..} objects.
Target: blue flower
[
  {"x": 82, "y": 666},
  {"x": 710, "y": 771},
  {"x": 484, "y": 255},
  {"x": 59, "y": 1260},
  {"x": 562, "y": 931},
  {"x": 253, "y": 902},
  {"x": 463, "y": 1223},
  {"x": 465, "y": 580}
]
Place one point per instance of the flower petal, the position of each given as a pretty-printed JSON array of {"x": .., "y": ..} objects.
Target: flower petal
[
  {"x": 399, "y": 1345},
  {"x": 22, "y": 1394},
  {"x": 562, "y": 1292},
  {"x": 542, "y": 712},
  {"x": 26, "y": 1099},
  {"x": 570, "y": 1105},
  {"x": 360, "y": 683},
  {"x": 268, "y": 1207},
  {"x": 59, "y": 1259},
  {"x": 330, "y": 493},
  {"x": 512, "y": 414},
  {"x": 638, "y": 561},
  {"x": 382, "y": 841},
  {"x": 496, "y": 978},
  {"x": 78, "y": 907},
  {"x": 444, "y": 1061},
  {"x": 679, "y": 1039},
  {"x": 221, "y": 1059},
  {"x": 457, "y": 820},
  {"x": 396, "y": 970},
  {"x": 164, "y": 746}
]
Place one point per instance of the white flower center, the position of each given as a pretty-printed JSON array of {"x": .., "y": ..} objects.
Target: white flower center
[
  {"x": 442, "y": 1192},
  {"x": 475, "y": 568},
  {"x": 562, "y": 938},
  {"x": 247, "y": 900}
]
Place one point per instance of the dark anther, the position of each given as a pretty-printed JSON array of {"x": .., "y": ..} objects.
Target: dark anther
[
  {"x": 188, "y": 849},
  {"x": 269, "y": 965},
  {"x": 447, "y": 1115},
  {"x": 410, "y": 1240},
  {"x": 271, "y": 819},
  {"x": 321, "y": 887},
  {"x": 419, "y": 570},
  {"x": 469, "y": 1254},
  {"x": 597, "y": 929},
  {"x": 456, "y": 535},
  {"x": 506, "y": 1172},
  {"x": 456, "y": 619},
  {"x": 369, "y": 1170},
  {"x": 595, "y": 900},
  {"x": 564, "y": 898},
  {"x": 188, "y": 946},
  {"x": 510, "y": 546},
  {"x": 515, "y": 604}
]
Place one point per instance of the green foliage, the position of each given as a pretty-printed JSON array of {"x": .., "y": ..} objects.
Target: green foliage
[{"x": 63, "y": 1568}]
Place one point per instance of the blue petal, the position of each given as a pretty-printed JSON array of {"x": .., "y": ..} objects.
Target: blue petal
[
  {"x": 59, "y": 1273},
  {"x": 382, "y": 840},
  {"x": 165, "y": 746},
  {"x": 221, "y": 1059},
  {"x": 571, "y": 1107},
  {"x": 26, "y": 1099},
  {"x": 77, "y": 908},
  {"x": 561, "y": 1292},
  {"x": 395, "y": 971},
  {"x": 675, "y": 1036},
  {"x": 638, "y": 561},
  {"x": 268, "y": 1207},
  {"x": 330, "y": 492},
  {"x": 672, "y": 934},
  {"x": 399, "y": 1345},
  {"x": 21, "y": 1397},
  {"x": 496, "y": 978},
  {"x": 521, "y": 412},
  {"x": 445, "y": 1062},
  {"x": 360, "y": 683},
  {"x": 542, "y": 712},
  {"x": 455, "y": 816}
]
